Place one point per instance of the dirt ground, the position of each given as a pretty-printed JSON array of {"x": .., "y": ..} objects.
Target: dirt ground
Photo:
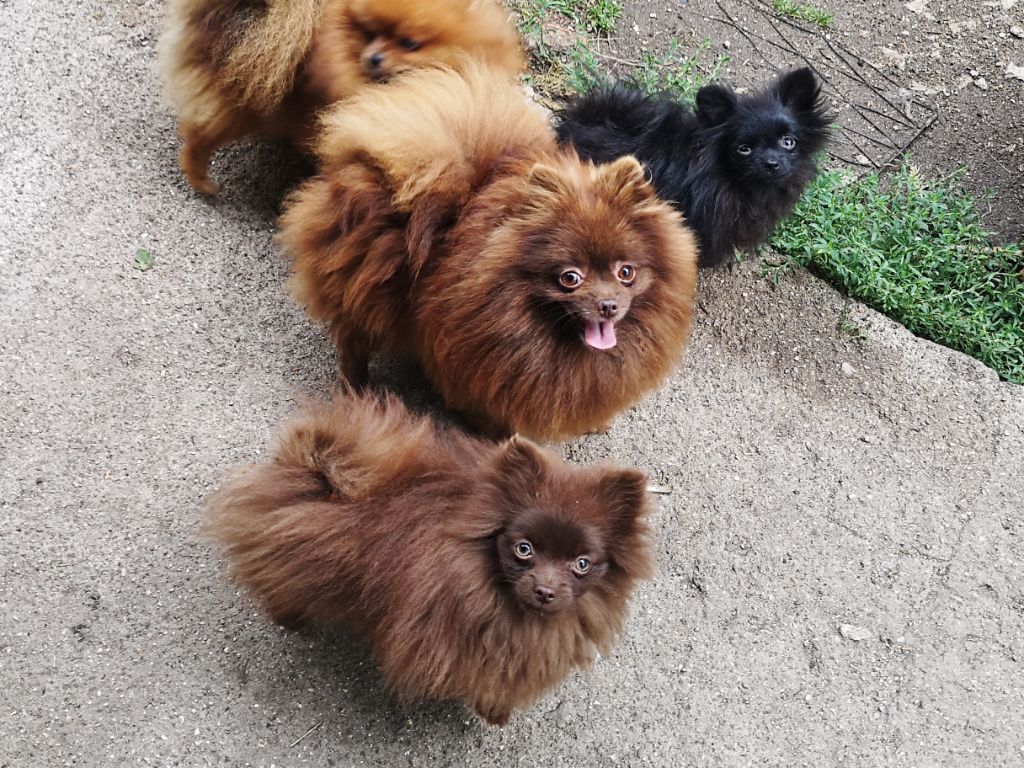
[{"x": 840, "y": 559}]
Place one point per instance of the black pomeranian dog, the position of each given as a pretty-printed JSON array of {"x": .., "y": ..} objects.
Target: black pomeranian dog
[{"x": 735, "y": 168}]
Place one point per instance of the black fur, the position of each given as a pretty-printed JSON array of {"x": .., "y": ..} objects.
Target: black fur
[{"x": 732, "y": 200}]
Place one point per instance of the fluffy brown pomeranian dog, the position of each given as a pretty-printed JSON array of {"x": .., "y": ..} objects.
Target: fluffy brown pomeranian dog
[
  {"x": 241, "y": 67},
  {"x": 542, "y": 294},
  {"x": 475, "y": 571}
]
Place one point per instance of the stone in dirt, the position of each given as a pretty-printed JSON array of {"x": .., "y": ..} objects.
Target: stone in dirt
[
  {"x": 858, "y": 634},
  {"x": 895, "y": 57}
]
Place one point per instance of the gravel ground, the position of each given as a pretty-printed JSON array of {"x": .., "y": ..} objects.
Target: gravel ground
[{"x": 840, "y": 558}]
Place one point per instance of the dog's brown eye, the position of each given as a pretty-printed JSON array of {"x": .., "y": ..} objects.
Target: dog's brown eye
[
  {"x": 523, "y": 550},
  {"x": 581, "y": 567},
  {"x": 787, "y": 142},
  {"x": 409, "y": 44},
  {"x": 570, "y": 279},
  {"x": 626, "y": 274},
  {"x": 743, "y": 149}
]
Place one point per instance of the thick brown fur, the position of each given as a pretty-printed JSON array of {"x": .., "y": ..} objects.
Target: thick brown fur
[
  {"x": 411, "y": 536},
  {"x": 239, "y": 67},
  {"x": 439, "y": 225}
]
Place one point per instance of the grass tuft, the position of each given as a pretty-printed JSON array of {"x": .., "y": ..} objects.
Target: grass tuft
[
  {"x": 568, "y": 68},
  {"x": 677, "y": 73},
  {"x": 916, "y": 250},
  {"x": 803, "y": 12},
  {"x": 603, "y": 15}
]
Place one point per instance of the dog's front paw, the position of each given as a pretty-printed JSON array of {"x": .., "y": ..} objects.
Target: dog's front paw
[
  {"x": 497, "y": 717},
  {"x": 197, "y": 172},
  {"x": 284, "y": 617},
  {"x": 203, "y": 185}
]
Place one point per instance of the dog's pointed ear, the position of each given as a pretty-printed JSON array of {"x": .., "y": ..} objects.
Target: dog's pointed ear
[
  {"x": 715, "y": 104},
  {"x": 520, "y": 465},
  {"x": 623, "y": 492},
  {"x": 625, "y": 180},
  {"x": 547, "y": 178},
  {"x": 799, "y": 89},
  {"x": 627, "y": 537},
  {"x": 512, "y": 474}
]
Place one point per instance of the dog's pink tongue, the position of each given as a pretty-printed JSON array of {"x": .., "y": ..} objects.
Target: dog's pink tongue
[{"x": 599, "y": 334}]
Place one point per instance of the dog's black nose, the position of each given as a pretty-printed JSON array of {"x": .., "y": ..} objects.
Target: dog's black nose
[
  {"x": 608, "y": 307},
  {"x": 771, "y": 165},
  {"x": 376, "y": 60},
  {"x": 544, "y": 594}
]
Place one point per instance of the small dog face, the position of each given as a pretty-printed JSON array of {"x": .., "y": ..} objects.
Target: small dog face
[
  {"x": 766, "y": 152},
  {"x": 388, "y": 45},
  {"x": 765, "y": 138},
  {"x": 394, "y": 36},
  {"x": 567, "y": 530},
  {"x": 588, "y": 263},
  {"x": 549, "y": 562},
  {"x": 598, "y": 296}
]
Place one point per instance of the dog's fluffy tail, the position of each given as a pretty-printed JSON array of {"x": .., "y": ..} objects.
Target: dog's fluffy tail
[
  {"x": 287, "y": 523},
  {"x": 608, "y": 121},
  {"x": 347, "y": 244},
  {"x": 274, "y": 520},
  {"x": 253, "y": 49}
]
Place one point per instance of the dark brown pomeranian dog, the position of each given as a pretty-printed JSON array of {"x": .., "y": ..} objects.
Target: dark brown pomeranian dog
[
  {"x": 475, "y": 571},
  {"x": 241, "y": 67},
  {"x": 542, "y": 294}
]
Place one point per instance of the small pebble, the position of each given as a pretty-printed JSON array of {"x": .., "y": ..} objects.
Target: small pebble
[
  {"x": 851, "y": 632},
  {"x": 847, "y": 369},
  {"x": 560, "y": 715}
]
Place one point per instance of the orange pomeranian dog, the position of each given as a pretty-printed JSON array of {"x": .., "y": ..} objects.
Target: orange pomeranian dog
[
  {"x": 476, "y": 571},
  {"x": 240, "y": 67},
  {"x": 542, "y": 294}
]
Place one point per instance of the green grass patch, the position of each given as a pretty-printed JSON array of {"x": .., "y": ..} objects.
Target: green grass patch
[
  {"x": 803, "y": 12},
  {"x": 542, "y": 26},
  {"x": 598, "y": 16},
  {"x": 916, "y": 250},
  {"x": 580, "y": 70},
  {"x": 562, "y": 36},
  {"x": 603, "y": 15},
  {"x": 678, "y": 73},
  {"x": 675, "y": 72}
]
